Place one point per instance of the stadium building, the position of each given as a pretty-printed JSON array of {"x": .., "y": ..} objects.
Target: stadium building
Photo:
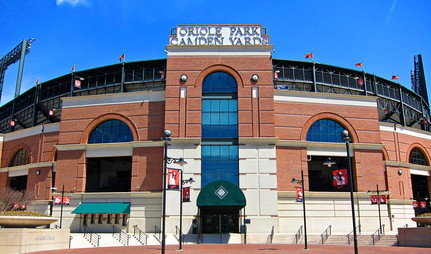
[{"x": 245, "y": 123}]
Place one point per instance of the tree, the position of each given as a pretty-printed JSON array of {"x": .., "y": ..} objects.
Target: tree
[{"x": 9, "y": 197}]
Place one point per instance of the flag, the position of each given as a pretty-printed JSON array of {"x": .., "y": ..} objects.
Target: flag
[
  {"x": 394, "y": 77},
  {"x": 173, "y": 179},
  {"x": 309, "y": 55},
  {"x": 12, "y": 123},
  {"x": 77, "y": 83},
  {"x": 37, "y": 80},
  {"x": 73, "y": 68},
  {"x": 122, "y": 57},
  {"x": 276, "y": 74},
  {"x": 51, "y": 112},
  {"x": 359, "y": 65},
  {"x": 361, "y": 82}
]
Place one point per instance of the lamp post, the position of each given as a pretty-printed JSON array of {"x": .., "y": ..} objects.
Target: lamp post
[
  {"x": 167, "y": 160},
  {"x": 182, "y": 182},
  {"x": 61, "y": 204},
  {"x": 303, "y": 206},
  {"x": 345, "y": 136}
]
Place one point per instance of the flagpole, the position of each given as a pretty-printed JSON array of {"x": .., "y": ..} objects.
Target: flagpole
[
  {"x": 72, "y": 80},
  {"x": 122, "y": 78}
]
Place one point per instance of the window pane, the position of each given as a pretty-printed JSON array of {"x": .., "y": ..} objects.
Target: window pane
[
  {"x": 111, "y": 131},
  {"x": 325, "y": 130}
]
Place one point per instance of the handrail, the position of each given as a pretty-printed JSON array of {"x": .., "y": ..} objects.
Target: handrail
[
  {"x": 298, "y": 234},
  {"x": 70, "y": 240},
  {"x": 120, "y": 235},
  {"x": 377, "y": 235},
  {"x": 325, "y": 235},
  {"x": 139, "y": 235},
  {"x": 271, "y": 236},
  {"x": 56, "y": 226},
  {"x": 177, "y": 234},
  {"x": 92, "y": 237},
  {"x": 350, "y": 235},
  {"x": 158, "y": 233}
]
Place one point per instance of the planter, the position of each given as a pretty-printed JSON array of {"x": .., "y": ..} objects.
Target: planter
[
  {"x": 25, "y": 221},
  {"x": 422, "y": 220}
]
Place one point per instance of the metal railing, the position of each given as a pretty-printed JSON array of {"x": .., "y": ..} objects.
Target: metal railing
[
  {"x": 120, "y": 235},
  {"x": 377, "y": 235},
  {"x": 350, "y": 235},
  {"x": 298, "y": 234},
  {"x": 325, "y": 235},
  {"x": 271, "y": 236},
  {"x": 139, "y": 235},
  {"x": 158, "y": 233},
  {"x": 93, "y": 238},
  {"x": 70, "y": 240}
]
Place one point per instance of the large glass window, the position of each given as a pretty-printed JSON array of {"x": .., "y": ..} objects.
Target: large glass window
[
  {"x": 325, "y": 130},
  {"x": 20, "y": 158},
  {"x": 220, "y": 118},
  {"x": 111, "y": 131},
  {"x": 219, "y": 129},
  {"x": 219, "y": 162},
  {"x": 418, "y": 157}
]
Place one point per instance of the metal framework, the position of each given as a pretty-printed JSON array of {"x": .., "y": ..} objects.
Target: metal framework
[
  {"x": 395, "y": 103},
  {"x": 42, "y": 103},
  {"x": 12, "y": 57}
]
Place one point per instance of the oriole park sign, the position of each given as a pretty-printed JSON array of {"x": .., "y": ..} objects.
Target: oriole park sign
[{"x": 219, "y": 35}]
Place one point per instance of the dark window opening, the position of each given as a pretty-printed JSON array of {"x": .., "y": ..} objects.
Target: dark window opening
[
  {"x": 324, "y": 178},
  {"x": 109, "y": 219},
  {"x": 220, "y": 220},
  {"x": 109, "y": 174},
  {"x": 18, "y": 183},
  {"x": 100, "y": 219}
]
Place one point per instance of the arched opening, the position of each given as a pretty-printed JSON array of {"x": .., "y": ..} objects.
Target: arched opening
[
  {"x": 18, "y": 181},
  {"x": 109, "y": 174},
  {"x": 420, "y": 185}
]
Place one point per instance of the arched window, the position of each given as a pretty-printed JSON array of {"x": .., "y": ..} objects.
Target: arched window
[
  {"x": 111, "y": 131},
  {"x": 325, "y": 130},
  {"x": 418, "y": 157},
  {"x": 219, "y": 82},
  {"x": 20, "y": 158}
]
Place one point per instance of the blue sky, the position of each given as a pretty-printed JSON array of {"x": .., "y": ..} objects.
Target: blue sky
[{"x": 383, "y": 34}]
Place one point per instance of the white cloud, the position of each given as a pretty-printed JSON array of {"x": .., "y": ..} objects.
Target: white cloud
[
  {"x": 391, "y": 11},
  {"x": 71, "y": 2}
]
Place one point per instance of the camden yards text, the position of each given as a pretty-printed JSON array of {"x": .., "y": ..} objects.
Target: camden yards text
[{"x": 219, "y": 35}]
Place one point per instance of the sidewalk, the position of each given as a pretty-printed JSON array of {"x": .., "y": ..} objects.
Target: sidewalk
[{"x": 242, "y": 249}]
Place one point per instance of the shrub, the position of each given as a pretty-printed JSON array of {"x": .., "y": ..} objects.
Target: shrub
[{"x": 23, "y": 213}]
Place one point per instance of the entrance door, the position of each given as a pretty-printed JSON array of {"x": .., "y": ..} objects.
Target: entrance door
[{"x": 220, "y": 220}]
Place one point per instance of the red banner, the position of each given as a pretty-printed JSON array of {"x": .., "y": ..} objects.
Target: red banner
[
  {"x": 298, "y": 194},
  {"x": 186, "y": 194},
  {"x": 173, "y": 179},
  {"x": 58, "y": 201},
  {"x": 423, "y": 204},
  {"x": 415, "y": 204},
  {"x": 375, "y": 199},
  {"x": 339, "y": 177}
]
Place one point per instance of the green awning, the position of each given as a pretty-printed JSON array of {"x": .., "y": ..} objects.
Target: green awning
[
  {"x": 102, "y": 208},
  {"x": 221, "y": 193}
]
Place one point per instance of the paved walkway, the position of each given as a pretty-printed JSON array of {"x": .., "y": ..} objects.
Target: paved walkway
[{"x": 243, "y": 249}]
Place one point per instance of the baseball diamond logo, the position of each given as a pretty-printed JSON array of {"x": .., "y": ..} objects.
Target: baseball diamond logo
[{"x": 221, "y": 192}]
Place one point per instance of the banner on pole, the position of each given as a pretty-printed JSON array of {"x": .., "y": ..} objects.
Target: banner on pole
[
  {"x": 299, "y": 194},
  {"x": 186, "y": 194},
  {"x": 173, "y": 178},
  {"x": 339, "y": 178}
]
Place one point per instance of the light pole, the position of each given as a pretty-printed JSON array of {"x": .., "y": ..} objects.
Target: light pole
[
  {"x": 182, "y": 182},
  {"x": 61, "y": 204},
  {"x": 303, "y": 206},
  {"x": 345, "y": 136},
  {"x": 167, "y": 160}
]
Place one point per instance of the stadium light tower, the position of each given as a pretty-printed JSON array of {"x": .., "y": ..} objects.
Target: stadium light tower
[{"x": 18, "y": 53}]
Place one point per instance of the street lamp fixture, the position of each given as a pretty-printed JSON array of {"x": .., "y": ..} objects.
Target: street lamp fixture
[
  {"x": 329, "y": 162},
  {"x": 167, "y": 160},
  {"x": 301, "y": 181},
  {"x": 346, "y": 138}
]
